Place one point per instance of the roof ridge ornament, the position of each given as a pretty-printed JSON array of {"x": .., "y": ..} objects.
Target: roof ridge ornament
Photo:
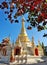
[{"x": 23, "y": 19}]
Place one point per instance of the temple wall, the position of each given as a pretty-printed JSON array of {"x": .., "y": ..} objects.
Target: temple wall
[
  {"x": 5, "y": 59},
  {"x": 41, "y": 53}
]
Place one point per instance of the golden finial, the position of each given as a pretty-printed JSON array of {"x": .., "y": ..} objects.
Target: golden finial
[{"x": 23, "y": 31}]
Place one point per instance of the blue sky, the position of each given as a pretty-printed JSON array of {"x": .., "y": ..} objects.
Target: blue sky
[{"x": 6, "y": 29}]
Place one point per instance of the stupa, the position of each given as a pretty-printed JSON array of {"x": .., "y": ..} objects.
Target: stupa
[{"x": 28, "y": 47}]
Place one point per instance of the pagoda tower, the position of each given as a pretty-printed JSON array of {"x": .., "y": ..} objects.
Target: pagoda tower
[
  {"x": 23, "y": 35},
  {"x": 25, "y": 42},
  {"x": 25, "y": 46},
  {"x": 33, "y": 46},
  {"x": 33, "y": 42}
]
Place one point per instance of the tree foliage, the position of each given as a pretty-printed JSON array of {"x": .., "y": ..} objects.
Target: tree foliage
[{"x": 36, "y": 9}]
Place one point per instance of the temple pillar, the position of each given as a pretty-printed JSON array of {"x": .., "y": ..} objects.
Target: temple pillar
[{"x": 12, "y": 58}]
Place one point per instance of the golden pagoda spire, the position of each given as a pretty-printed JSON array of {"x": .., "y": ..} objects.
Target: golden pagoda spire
[
  {"x": 23, "y": 35},
  {"x": 33, "y": 41},
  {"x": 23, "y": 31},
  {"x": 39, "y": 45}
]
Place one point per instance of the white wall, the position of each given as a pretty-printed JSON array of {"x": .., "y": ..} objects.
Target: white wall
[{"x": 5, "y": 59}]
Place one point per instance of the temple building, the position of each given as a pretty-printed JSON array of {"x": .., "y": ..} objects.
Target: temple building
[{"x": 22, "y": 46}]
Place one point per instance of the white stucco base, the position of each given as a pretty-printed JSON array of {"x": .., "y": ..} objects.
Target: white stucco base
[
  {"x": 5, "y": 59},
  {"x": 22, "y": 59}
]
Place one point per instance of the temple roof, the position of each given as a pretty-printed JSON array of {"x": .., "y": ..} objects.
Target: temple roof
[{"x": 6, "y": 40}]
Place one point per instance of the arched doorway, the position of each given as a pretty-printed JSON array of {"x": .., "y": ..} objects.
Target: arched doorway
[
  {"x": 36, "y": 52},
  {"x": 17, "y": 50}
]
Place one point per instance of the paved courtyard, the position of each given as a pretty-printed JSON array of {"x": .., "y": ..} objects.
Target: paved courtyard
[
  {"x": 30, "y": 62},
  {"x": 44, "y": 63}
]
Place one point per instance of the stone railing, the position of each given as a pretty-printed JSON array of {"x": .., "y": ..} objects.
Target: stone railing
[{"x": 21, "y": 58}]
